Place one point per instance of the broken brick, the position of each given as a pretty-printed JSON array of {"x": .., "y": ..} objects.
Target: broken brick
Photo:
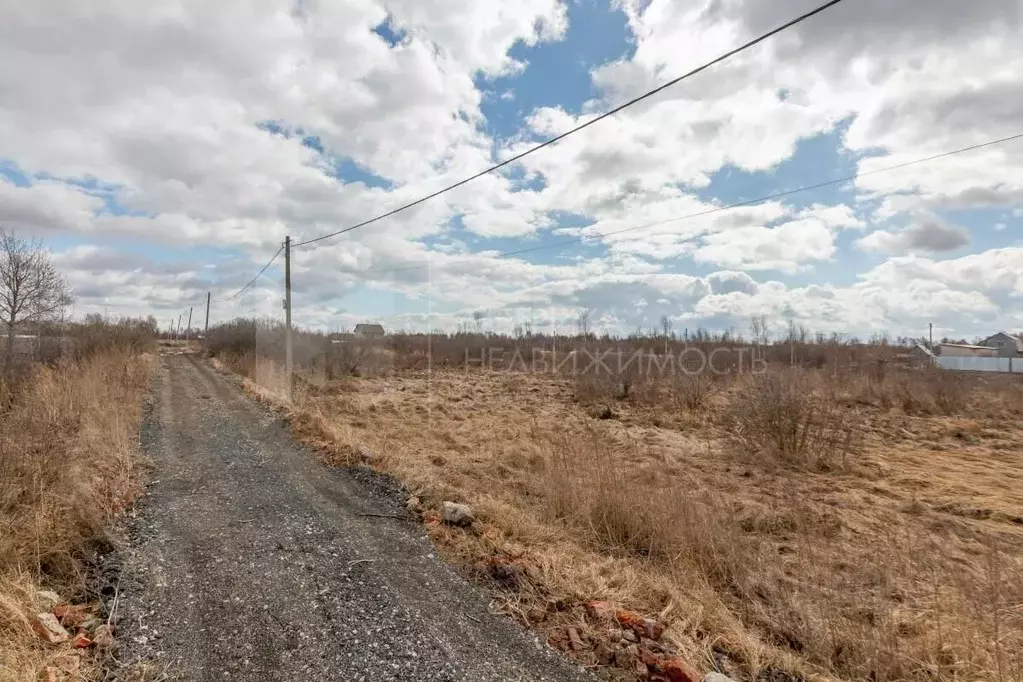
[
  {"x": 601, "y": 610},
  {"x": 81, "y": 641},
  {"x": 677, "y": 670},
  {"x": 49, "y": 628},
  {"x": 649, "y": 658},
  {"x": 575, "y": 640},
  {"x": 70, "y": 615},
  {"x": 641, "y": 625}
]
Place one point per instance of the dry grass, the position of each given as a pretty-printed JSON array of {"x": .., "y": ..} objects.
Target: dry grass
[
  {"x": 795, "y": 525},
  {"x": 791, "y": 418},
  {"x": 68, "y": 457}
]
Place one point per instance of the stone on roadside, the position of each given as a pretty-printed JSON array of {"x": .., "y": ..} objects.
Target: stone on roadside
[
  {"x": 81, "y": 641},
  {"x": 366, "y": 455},
  {"x": 457, "y": 514},
  {"x": 91, "y": 623},
  {"x": 413, "y": 504},
  {"x": 103, "y": 637},
  {"x": 605, "y": 654},
  {"x": 47, "y": 599},
  {"x": 49, "y": 628},
  {"x": 717, "y": 677}
]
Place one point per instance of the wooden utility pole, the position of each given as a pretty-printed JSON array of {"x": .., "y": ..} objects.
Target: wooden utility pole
[
  {"x": 177, "y": 330},
  {"x": 287, "y": 311},
  {"x": 206, "y": 327},
  {"x": 188, "y": 329}
]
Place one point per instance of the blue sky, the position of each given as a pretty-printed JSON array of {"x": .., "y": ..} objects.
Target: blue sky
[{"x": 182, "y": 181}]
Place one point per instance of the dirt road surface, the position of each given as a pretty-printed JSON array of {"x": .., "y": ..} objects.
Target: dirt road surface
[{"x": 251, "y": 561}]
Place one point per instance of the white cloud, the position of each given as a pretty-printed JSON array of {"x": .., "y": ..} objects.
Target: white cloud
[
  {"x": 787, "y": 247},
  {"x": 46, "y": 207}
]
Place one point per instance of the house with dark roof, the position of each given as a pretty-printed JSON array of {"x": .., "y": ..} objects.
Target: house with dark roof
[
  {"x": 369, "y": 331},
  {"x": 1006, "y": 345}
]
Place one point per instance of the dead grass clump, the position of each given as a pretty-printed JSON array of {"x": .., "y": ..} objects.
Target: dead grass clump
[
  {"x": 786, "y": 417},
  {"x": 616, "y": 516},
  {"x": 693, "y": 391}
]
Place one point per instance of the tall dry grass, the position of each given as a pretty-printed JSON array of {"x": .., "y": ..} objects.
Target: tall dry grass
[
  {"x": 784, "y": 589},
  {"x": 68, "y": 465}
]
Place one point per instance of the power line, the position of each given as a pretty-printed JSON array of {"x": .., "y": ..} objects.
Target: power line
[
  {"x": 258, "y": 274},
  {"x": 718, "y": 209},
  {"x": 587, "y": 124}
]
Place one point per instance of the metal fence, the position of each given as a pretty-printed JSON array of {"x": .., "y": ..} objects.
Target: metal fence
[{"x": 974, "y": 364}]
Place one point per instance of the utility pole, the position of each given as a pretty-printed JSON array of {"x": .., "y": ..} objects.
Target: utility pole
[
  {"x": 206, "y": 327},
  {"x": 930, "y": 342},
  {"x": 287, "y": 311},
  {"x": 177, "y": 329},
  {"x": 188, "y": 329}
]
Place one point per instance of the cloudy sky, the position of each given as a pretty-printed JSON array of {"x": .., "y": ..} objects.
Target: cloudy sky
[{"x": 163, "y": 150}]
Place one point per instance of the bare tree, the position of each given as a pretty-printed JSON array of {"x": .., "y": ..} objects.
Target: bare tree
[
  {"x": 31, "y": 289},
  {"x": 759, "y": 329},
  {"x": 667, "y": 329},
  {"x": 477, "y": 318},
  {"x": 583, "y": 322}
]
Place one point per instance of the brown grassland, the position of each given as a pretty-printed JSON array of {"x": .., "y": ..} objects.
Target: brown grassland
[
  {"x": 68, "y": 465},
  {"x": 800, "y": 524}
]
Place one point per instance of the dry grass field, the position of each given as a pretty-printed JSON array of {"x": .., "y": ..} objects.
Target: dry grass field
[
  {"x": 793, "y": 525},
  {"x": 68, "y": 465}
]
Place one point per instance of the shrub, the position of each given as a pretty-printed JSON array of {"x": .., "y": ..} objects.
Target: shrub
[
  {"x": 787, "y": 418},
  {"x": 692, "y": 391}
]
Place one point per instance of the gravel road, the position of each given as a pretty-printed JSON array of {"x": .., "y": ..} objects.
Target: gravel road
[{"x": 250, "y": 561}]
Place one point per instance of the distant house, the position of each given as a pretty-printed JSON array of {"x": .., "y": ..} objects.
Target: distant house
[
  {"x": 963, "y": 350},
  {"x": 1005, "y": 345},
  {"x": 369, "y": 331},
  {"x": 919, "y": 354}
]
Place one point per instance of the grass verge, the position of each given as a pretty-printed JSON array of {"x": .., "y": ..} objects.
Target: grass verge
[{"x": 68, "y": 465}]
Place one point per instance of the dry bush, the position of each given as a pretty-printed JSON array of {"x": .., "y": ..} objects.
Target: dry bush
[
  {"x": 97, "y": 336},
  {"x": 788, "y": 418},
  {"x": 607, "y": 375},
  {"x": 693, "y": 391}
]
